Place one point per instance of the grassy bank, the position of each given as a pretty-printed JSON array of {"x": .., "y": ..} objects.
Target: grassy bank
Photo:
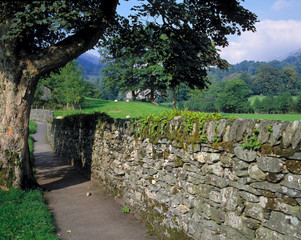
[{"x": 24, "y": 214}]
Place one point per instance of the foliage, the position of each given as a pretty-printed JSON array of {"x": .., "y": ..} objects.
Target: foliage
[
  {"x": 184, "y": 42},
  {"x": 24, "y": 215},
  {"x": 251, "y": 141},
  {"x": 132, "y": 62},
  {"x": 51, "y": 21},
  {"x": 32, "y": 130},
  {"x": 155, "y": 124},
  {"x": 234, "y": 98},
  {"x": 67, "y": 87},
  {"x": 125, "y": 209}
]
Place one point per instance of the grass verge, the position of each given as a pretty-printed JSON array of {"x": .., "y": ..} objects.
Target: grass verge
[{"x": 24, "y": 214}]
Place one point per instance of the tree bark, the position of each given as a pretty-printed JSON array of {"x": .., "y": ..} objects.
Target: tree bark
[
  {"x": 174, "y": 97},
  {"x": 20, "y": 71}
]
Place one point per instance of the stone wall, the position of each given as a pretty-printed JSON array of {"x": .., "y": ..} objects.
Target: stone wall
[
  {"x": 41, "y": 115},
  {"x": 185, "y": 189}
]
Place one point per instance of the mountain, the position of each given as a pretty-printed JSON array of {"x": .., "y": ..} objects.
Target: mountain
[
  {"x": 292, "y": 59},
  {"x": 90, "y": 64}
]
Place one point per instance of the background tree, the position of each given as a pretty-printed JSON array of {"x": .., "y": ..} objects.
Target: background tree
[
  {"x": 290, "y": 78},
  {"x": 268, "y": 81},
  {"x": 187, "y": 36},
  {"x": 68, "y": 87},
  {"x": 234, "y": 98}
]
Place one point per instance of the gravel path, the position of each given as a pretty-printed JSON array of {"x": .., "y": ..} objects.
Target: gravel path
[{"x": 76, "y": 215}]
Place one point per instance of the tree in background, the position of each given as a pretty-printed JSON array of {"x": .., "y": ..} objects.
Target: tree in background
[
  {"x": 290, "y": 79},
  {"x": 133, "y": 66},
  {"x": 40, "y": 36},
  {"x": 67, "y": 87},
  {"x": 234, "y": 98},
  {"x": 268, "y": 81}
]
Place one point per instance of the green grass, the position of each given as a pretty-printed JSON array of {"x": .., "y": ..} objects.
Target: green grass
[
  {"x": 115, "y": 109},
  {"x": 137, "y": 109},
  {"x": 24, "y": 215},
  {"x": 32, "y": 130},
  {"x": 281, "y": 117},
  {"x": 261, "y": 97}
]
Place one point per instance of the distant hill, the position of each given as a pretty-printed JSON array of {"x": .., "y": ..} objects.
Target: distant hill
[
  {"x": 90, "y": 64},
  {"x": 292, "y": 59}
]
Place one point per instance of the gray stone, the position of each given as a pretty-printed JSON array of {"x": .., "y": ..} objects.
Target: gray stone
[
  {"x": 220, "y": 128},
  {"x": 183, "y": 209},
  {"x": 248, "y": 196},
  {"x": 216, "y": 181},
  {"x": 270, "y": 164},
  {"x": 226, "y": 160},
  {"x": 289, "y": 132},
  {"x": 263, "y": 233},
  {"x": 296, "y": 139},
  {"x": 244, "y": 154},
  {"x": 284, "y": 224},
  {"x": 215, "y": 196},
  {"x": 292, "y": 181},
  {"x": 240, "y": 165},
  {"x": 254, "y": 210},
  {"x": 296, "y": 156},
  {"x": 226, "y": 137},
  {"x": 255, "y": 172},
  {"x": 211, "y": 131},
  {"x": 277, "y": 133},
  {"x": 230, "y": 198}
]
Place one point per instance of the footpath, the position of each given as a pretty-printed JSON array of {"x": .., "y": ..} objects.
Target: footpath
[{"x": 77, "y": 215}]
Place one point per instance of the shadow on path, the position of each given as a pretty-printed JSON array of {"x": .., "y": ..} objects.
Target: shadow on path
[{"x": 78, "y": 216}]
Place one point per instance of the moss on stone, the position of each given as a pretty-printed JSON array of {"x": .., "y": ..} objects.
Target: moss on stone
[
  {"x": 154, "y": 223},
  {"x": 293, "y": 166},
  {"x": 228, "y": 146}
]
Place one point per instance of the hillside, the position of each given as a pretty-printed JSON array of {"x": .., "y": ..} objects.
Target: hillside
[
  {"x": 90, "y": 64},
  {"x": 292, "y": 59}
]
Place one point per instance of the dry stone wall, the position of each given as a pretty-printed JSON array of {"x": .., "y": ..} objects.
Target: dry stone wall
[{"x": 190, "y": 190}]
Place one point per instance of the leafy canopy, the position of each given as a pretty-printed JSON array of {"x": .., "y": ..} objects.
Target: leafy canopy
[{"x": 40, "y": 24}]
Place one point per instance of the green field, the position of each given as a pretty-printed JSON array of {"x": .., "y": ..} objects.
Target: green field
[
  {"x": 136, "y": 109},
  {"x": 281, "y": 117},
  {"x": 115, "y": 109}
]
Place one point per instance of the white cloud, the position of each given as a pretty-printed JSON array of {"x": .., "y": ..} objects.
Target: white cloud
[
  {"x": 271, "y": 40},
  {"x": 282, "y": 4}
]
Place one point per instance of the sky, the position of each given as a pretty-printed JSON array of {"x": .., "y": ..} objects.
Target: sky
[{"x": 278, "y": 31}]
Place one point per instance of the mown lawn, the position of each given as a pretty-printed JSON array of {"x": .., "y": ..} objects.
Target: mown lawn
[
  {"x": 115, "y": 109},
  {"x": 137, "y": 109},
  {"x": 281, "y": 117}
]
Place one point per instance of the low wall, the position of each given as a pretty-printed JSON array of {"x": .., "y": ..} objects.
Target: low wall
[
  {"x": 41, "y": 115},
  {"x": 182, "y": 188}
]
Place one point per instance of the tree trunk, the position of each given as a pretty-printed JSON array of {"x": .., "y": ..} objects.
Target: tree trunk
[
  {"x": 174, "y": 97},
  {"x": 20, "y": 69},
  {"x": 17, "y": 87},
  {"x": 134, "y": 96},
  {"x": 152, "y": 97}
]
